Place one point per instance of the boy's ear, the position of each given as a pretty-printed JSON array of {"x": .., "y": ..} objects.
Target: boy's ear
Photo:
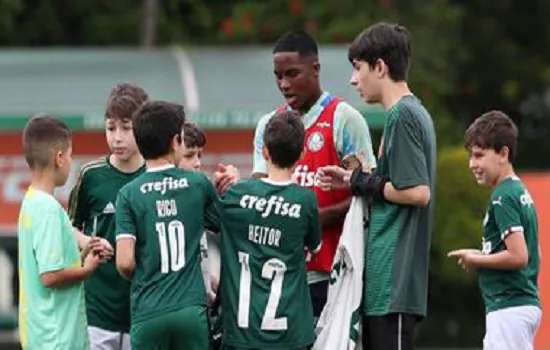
[
  {"x": 302, "y": 154},
  {"x": 265, "y": 153},
  {"x": 57, "y": 158},
  {"x": 504, "y": 153}
]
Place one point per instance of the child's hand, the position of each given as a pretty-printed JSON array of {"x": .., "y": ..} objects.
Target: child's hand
[
  {"x": 333, "y": 177},
  {"x": 93, "y": 246},
  {"x": 98, "y": 246},
  {"x": 106, "y": 250},
  {"x": 91, "y": 262},
  {"x": 466, "y": 257},
  {"x": 214, "y": 284},
  {"x": 225, "y": 176}
]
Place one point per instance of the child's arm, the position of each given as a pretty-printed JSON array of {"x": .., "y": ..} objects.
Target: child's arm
[
  {"x": 78, "y": 213},
  {"x": 514, "y": 257},
  {"x": 71, "y": 275},
  {"x": 125, "y": 256},
  {"x": 57, "y": 261},
  {"x": 313, "y": 240},
  {"x": 125, "y": 237},
  {"x": 507, "y": 215},
  {"x": 212, "y": 209},
  {"x": 224, "y": 177}
]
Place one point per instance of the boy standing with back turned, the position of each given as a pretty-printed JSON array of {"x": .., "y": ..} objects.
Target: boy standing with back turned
[
  {"x": 266, "y": 223},
  {"x": 160, "y": 220}
]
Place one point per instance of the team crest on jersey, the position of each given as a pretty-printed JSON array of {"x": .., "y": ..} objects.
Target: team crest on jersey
[{"x": 315, "y": 142}]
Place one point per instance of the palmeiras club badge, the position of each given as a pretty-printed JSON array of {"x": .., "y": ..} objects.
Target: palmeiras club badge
[{"x": 315, "y": 141}]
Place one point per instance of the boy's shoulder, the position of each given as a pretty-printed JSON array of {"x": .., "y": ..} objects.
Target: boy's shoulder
[
  {"x": 511, "y": 188},
  {"x": 91, "y": 167},
  {"x": 40, "y": 202}
]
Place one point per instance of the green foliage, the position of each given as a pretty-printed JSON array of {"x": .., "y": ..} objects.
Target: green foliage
[{"x": 460, "y": 208}]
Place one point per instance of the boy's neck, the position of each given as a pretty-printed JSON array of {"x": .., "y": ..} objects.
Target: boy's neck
[
  {"x": 158, "y": 162},
  {"x": 43, "y": 180},
  {"x": 279, "y": 175},
  {"x": 507, "y": 172},
  {"x": 394, "y": 92},
  {"x": 127, "y": 166}
]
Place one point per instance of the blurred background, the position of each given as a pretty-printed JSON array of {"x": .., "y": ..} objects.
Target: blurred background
[{"x": 214, "y": 57}]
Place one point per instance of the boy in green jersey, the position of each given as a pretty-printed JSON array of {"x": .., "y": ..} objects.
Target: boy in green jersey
[
  {"x": 194, "y": 141},
  {"x": 92, "y": 212},
  {"x": 266, "y": 224},
  {"x": 52, "y": 311},
  {"x": 508, "y": 262},
  {"x": 161, "y": 217}
]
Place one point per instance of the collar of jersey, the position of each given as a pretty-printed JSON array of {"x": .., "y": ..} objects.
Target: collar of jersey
[
  {"x": 315, "y": 111},
  {"x": 276, "y": 183},
  {"x": 161, "y": 168}
]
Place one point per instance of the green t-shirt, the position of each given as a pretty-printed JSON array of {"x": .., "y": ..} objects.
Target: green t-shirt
[
  {"x": 510, "y": 209},
  {"x": 264, "y": 293},
  {"x": 49, "y": 318},
  {"x": 94, "y": 196},
  {"x": 166, "y": 211},
  {"x": 399, "y": 236}
]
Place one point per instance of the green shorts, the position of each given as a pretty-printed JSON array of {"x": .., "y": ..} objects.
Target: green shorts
[{"x": 186, "y": 328}]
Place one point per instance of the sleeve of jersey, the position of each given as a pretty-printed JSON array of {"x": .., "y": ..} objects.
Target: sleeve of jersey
[
  {"x": 48, "y": 243},
  {"x": 406, "y": 157},
  {"x": 313, "y": 239},
  {"x": 352, "y": 135},
  {"x": 259, "y": 166},
  {"x": 507, "y": 212},
  {"x": 124, "y": 218},
  {"x": 77, "y": 206},
  {"x": 211, "y": 210}
]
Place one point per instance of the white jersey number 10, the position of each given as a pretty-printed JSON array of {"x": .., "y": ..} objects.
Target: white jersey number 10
[{"x": 173, "y": 242}]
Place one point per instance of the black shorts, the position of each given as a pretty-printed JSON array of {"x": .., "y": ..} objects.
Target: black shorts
[
  {"x": 319, "y": 293},
  {"x": 389, "y": 332}
]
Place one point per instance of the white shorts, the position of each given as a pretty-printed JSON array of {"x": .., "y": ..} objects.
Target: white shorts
[
  {"x": 101, "y": 339},
  {"x": 512, "y": 328}
]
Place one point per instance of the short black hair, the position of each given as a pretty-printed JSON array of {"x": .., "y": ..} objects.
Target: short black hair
[
  {"x": 193, "y": 136},
  {"x": 42, "y": 137},
  {"x": 297, "y": 41},
  {"x": 124, "y": 99},
  {"x": 493, "y": 130},
  {"x": 388, "y": 42},
  {"x": 284, "y": 138},
  {"x": 155, "y": 124}
]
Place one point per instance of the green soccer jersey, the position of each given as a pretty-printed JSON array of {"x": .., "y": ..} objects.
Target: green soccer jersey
[
  {"x": 93, "y": 199},
  {"x": 264, "y": 293},
  {"x": 166, "y": 211},
  {"x": 510, "y": 209},
  {"x": 398, "y": 240},
  {"x": 49, "y": 318}
]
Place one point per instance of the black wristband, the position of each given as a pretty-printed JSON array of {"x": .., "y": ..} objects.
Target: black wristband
[
  {"x": 367, "y": 184},
  {"x": 359, "y": 183},
  {"x": 380, "y": 183}
]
